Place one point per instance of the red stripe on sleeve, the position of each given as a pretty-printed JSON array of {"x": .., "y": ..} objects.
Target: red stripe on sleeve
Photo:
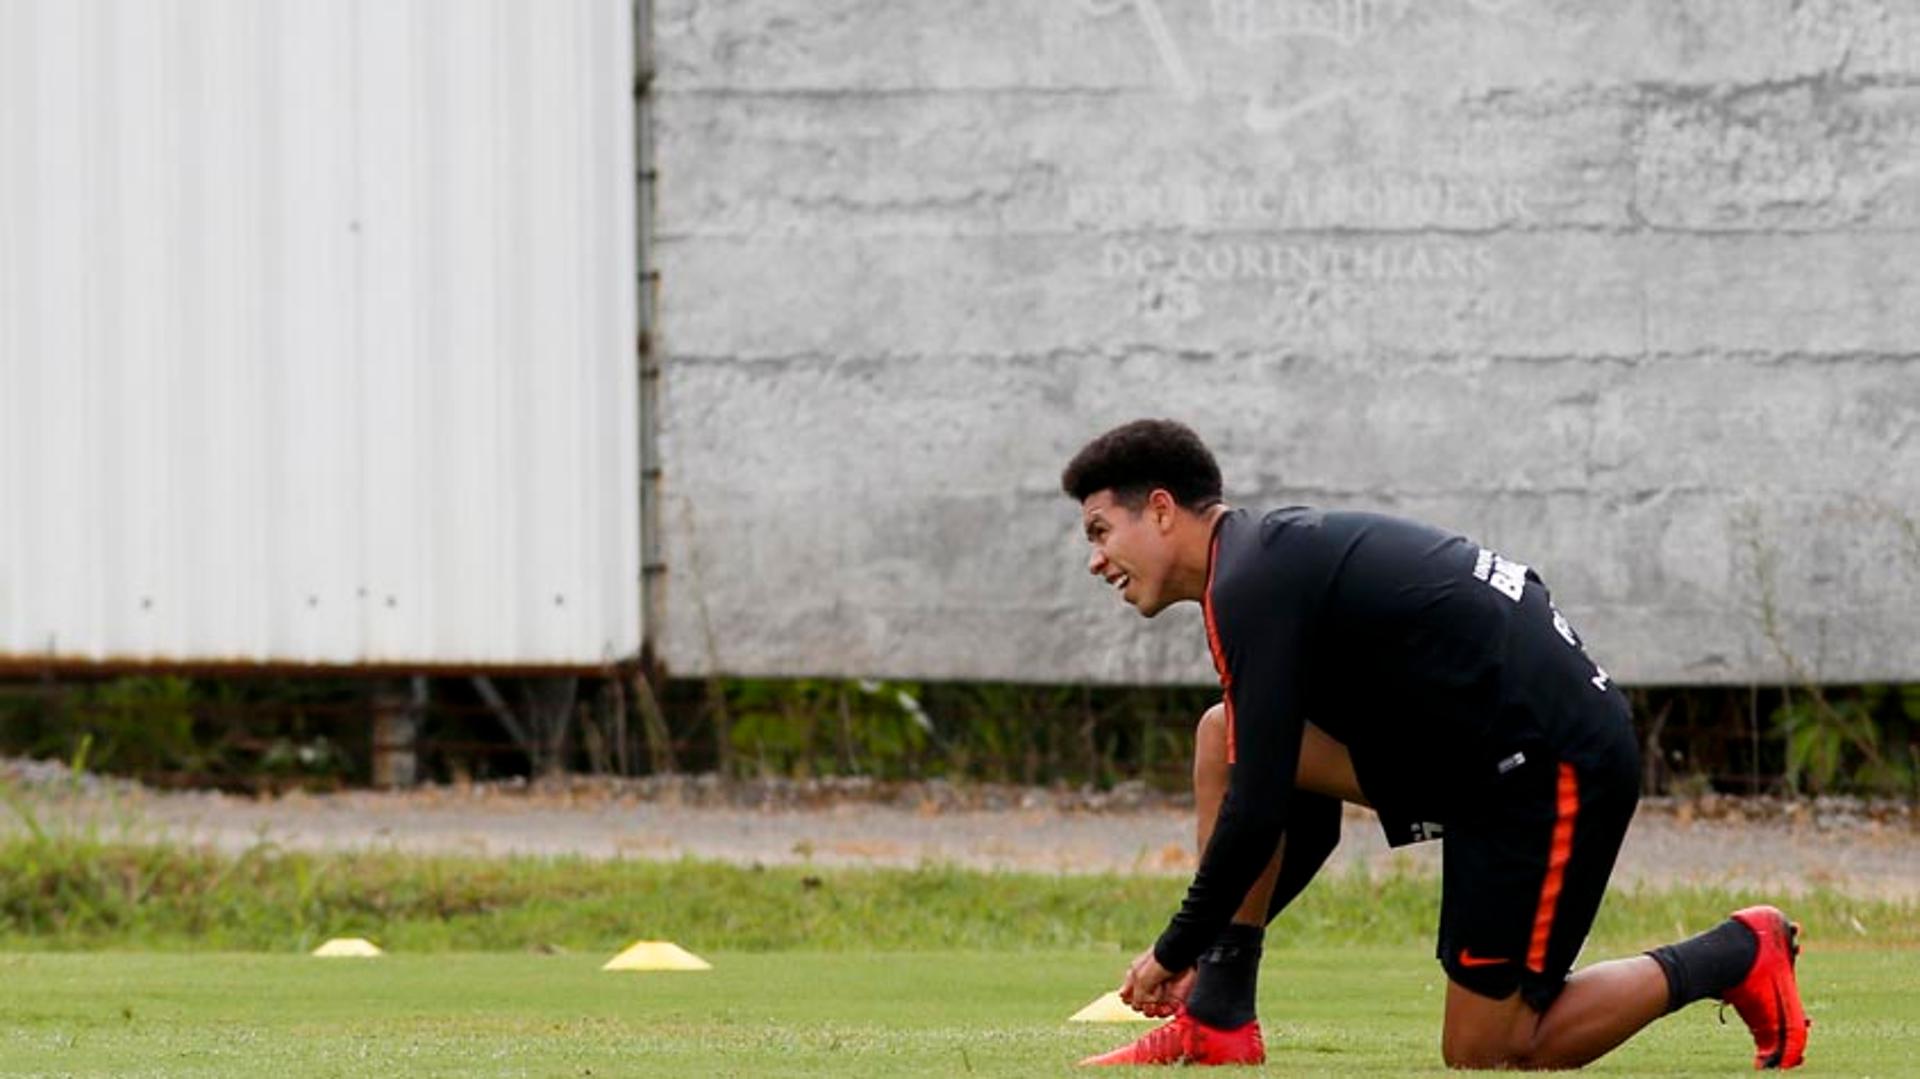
[{"x": 1213, "y": 642}]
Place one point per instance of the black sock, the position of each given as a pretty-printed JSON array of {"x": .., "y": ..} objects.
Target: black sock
[
  {"x": 1707, "y": 965},
  {"x": 1229, "y": 976}
]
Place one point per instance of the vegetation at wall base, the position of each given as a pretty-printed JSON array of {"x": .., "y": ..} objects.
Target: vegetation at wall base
[{"x": 278, "y": 733}]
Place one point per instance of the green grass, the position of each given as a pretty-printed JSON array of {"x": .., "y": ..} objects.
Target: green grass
[
  {"x": 67, "y": 893},
  {"x": 127, "y": 959},
  {"x": 1327, "y": 1011}
]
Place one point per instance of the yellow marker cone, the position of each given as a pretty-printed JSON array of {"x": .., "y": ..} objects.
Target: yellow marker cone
[
  {"x": 1109, "y": 1009},
  {"x": 347, "y": 948},
  {"x": 656, "y": 955}
]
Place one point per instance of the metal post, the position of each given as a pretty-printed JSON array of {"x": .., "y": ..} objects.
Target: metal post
[
  {"x": 652, "y": 566},
  {"x": 395, "y": 760}
]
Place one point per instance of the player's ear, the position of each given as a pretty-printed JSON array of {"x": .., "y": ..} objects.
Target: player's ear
[{"x": 1160, "y": 502}]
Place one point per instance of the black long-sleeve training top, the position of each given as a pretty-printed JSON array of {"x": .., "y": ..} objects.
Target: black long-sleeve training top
[{"x": 1430, "y": 658}]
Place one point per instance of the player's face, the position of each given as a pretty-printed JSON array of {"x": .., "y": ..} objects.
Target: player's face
[{"x": 1131, "y": 549}]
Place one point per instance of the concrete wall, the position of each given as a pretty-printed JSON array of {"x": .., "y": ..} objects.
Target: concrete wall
[{"x": 1629, "y": 291}]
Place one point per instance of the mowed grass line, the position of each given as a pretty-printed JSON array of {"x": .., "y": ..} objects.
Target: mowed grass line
[{"x": 1327, "y": 1011}]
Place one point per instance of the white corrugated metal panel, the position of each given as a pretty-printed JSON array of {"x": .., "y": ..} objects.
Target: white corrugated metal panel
[{"x": 317, "y": 329}]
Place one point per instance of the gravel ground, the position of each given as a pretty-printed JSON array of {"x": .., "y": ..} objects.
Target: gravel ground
[{"x": 1780, "y": 846}]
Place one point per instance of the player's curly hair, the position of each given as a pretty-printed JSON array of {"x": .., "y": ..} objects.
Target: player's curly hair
[{"x": 1136, "y": 458}]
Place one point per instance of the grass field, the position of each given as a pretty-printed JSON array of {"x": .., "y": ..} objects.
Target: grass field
[
  {"x": 1327, "y": 1011},
  {"x": 129, "y": 959}
]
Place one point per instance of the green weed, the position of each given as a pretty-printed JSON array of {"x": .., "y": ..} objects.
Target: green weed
[{"x": 86, "y": 892}]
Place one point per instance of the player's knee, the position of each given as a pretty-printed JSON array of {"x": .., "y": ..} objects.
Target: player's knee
[
  {"x": 1210, "y": 751},
  {"x": 1493, "y": 1034},
  {"x": 1487, "y": 1050},
  {"x": 1477, "y": 1056},
  {"x": 1210, "y": 738},
  {"x": 1512, "y": 1062}
]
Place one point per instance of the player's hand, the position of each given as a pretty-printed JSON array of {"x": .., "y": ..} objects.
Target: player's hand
[{"x": 1152, "y": 989}]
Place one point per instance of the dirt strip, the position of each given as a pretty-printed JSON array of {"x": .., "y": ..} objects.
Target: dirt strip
[{"x": 1775, "y": 846}]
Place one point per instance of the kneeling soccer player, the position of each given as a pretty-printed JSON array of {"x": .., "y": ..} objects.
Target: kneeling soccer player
[{"x": 1446, "y": 691}]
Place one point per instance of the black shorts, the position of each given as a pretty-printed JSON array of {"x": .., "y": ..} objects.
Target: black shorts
[{"x": 1524, "y": 866}]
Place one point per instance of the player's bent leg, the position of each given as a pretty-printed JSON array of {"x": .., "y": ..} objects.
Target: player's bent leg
[
  {"x": 1747, "y": 961},
  {"x": 1768, "y": 997},
  {"x": 1523, "y": 874},
  {"x": 1325, "y": 778},
  {"x": 1325, "y": 767},
  {"x": 1313, "y": 831},
  {"x": 1216, "y": 1024},
  {"x": 1597, "y": 1009},
  {"x": 1223, "y": 988},
  {"x": 1210, "y": 772},
  {"x": 1480, "y": 1031}
]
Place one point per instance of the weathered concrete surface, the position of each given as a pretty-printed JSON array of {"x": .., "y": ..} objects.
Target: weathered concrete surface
[{"x": 1630, "y": 292}]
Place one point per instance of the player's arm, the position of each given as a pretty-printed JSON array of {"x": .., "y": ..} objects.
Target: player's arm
[
  {"x": 1258, "y": 638},
  {"x": 1313, "y": 830}
]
